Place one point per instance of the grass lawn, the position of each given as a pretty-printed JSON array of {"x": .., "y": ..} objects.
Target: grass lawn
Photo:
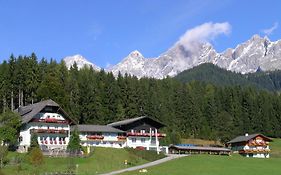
[
  {"x": 108, "y": 159},
  {"x": 103, "y": 160},
  {"x": 275, "y": 148},
  {"x": 220, "y": 165},
  {"x": 200, "y": 142},
  {"x": 216, "y": 165}
]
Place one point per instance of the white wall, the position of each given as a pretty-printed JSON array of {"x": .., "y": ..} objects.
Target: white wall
[{"x": 109, "y": 140}]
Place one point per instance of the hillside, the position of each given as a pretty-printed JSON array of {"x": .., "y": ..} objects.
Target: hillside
[
  {"x": 102, "y": 160},
  {"x": 268, "y": 80},
  {"x": 213, "y": 74},
  {"x": 275, "y": 147},
  {"x": 220, "y": 165},
  {"x": 215, "y": 165}
]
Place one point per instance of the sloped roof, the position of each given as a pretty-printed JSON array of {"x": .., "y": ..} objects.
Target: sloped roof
[
  {"x": 200, "y": 148},
  {"x": 127, "y": 121},
  {"x": 96, "y": 128},
  {"x": 245, "y": 138},
  {"x": 132, "y": 120},
  {"x": 28, "y": 112}
]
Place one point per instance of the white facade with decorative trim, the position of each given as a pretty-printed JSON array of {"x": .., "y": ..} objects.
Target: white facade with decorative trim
[{"x": 48, "y": 121}]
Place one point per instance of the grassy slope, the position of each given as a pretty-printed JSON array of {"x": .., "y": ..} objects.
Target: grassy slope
[
  {"x": 217, "y": 165},
  {"x": 103, "y": 160},
  {"x": 275, "y": 147},
  {"x": 200, "y": 142},
  {"x": 221, "y": 165},
  {"x": 106, "y": 160}
]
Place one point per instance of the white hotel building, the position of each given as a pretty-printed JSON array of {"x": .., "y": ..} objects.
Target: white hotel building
[
  {"x": 140, "y": 132},
  {"x": 48, "y": 121},
  {"x": 52, "y": 126},
  {"x": 101, "y": 135}
]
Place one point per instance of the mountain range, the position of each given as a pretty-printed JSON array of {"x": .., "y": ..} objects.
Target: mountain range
[{"x": 257, "y": 53}]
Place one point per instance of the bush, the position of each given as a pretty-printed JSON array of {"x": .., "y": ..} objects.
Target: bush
[
  {"x": 3, "y": 155},
  {"x": 74, "y": 142},
  {"x": 34, "y": 141},
  {"x": 36, "y": 157}
]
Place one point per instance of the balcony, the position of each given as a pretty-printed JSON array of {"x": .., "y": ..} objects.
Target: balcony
[
  {"x": 146, "y": 134},
  {"x": 49, "y": 131},
  {"x": 255, "y": 143},
  {"x": 95, "y": 137},
  {"x": 50, "y": 120},
  {"x": 254, "y": 151},
  {"x": 47, "y": 142},
  {"x": 122, "y": 138}
]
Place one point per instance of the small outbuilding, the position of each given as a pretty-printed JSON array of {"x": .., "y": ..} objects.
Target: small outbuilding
[{"x": 193, "y": 149}]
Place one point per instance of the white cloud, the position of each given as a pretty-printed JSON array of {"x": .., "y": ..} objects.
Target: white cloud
[
  {"x": 203, "y": 33},
  {"x": 270, "y": 30}
]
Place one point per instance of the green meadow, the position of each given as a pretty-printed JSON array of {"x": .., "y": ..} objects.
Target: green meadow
[
  {"x": 216, "y": 165},
  {"x": 102, "y": 160},
  {"x": 220, "y": 165},
  {"x": 109, "y": 159}
]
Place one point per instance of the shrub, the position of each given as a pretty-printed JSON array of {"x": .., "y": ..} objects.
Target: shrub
[
  {"x": 36, "y": 157},
  {"x": 74, "y": 142},
  {"x": 3, "y": 155},
  {"x": 34, "y": 141}
]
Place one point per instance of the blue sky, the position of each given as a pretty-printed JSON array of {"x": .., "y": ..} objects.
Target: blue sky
[{"x": 105, "y": 31}]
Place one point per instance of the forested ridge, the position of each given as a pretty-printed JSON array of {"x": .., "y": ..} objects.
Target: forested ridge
[
  {"x": 211, "y": 73},
  {"x": 189, "y": 110}
]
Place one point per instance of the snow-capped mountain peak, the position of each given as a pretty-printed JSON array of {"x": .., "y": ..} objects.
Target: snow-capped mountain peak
[
  {"x": 80, "y": 61},
  {"x": 132, "y": 64},
  {"x": 135, "y": 54},
  {"x": 257, "y": 53}
]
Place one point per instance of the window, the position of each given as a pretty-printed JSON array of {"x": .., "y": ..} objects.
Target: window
[
  {"x": 142, "y": 140},
  {"x": 134, "y": 140}
]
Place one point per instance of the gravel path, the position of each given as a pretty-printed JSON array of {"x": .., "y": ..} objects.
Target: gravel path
[{"x": 168, "y": 158}]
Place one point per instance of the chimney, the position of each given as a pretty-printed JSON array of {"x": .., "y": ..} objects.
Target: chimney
[{"x": 246, "y": 134}]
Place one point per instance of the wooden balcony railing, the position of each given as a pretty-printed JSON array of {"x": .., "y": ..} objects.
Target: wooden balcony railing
[
  {"x": 254, "y": 151},
  {"x": 255, "y": 143},
  {"x": 94, "y": 137},
  {"x": 51, "y": 120},
  {"x": 122, "y": 138},
  {"x": 49, "y": 131}
]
